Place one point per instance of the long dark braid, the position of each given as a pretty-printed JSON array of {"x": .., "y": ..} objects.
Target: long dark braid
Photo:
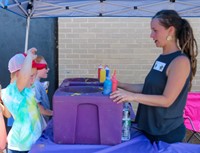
[
  {"x": 188, "y": 44},
  {"x": 184, "y": 35}
]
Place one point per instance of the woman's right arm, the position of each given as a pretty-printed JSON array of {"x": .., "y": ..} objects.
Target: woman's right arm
[{"x": 136, "y": 88}]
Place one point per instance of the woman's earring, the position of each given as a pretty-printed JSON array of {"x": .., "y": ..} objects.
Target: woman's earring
[{"x": 169, "y": 38}]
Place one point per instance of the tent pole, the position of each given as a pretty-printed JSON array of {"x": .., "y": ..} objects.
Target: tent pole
[{"x": 27, "y": 33}]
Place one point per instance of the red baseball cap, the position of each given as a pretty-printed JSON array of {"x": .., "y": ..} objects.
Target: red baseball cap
[{"x": 16, "y": 62}]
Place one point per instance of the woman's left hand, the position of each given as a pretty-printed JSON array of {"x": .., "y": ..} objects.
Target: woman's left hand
[{"x": 120, "y": 96}]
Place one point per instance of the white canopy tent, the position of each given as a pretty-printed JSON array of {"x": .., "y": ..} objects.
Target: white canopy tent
[{"x": 97, "y": 8}]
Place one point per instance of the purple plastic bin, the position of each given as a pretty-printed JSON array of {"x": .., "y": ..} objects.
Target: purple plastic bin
[
  {"x": 83, "y": 115},
  {"x": 81, "y": 82}
]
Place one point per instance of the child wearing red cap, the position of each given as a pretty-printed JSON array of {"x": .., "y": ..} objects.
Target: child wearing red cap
[
  {"x": 20, "y": 101},
  {"x": 40, "y": 92}
]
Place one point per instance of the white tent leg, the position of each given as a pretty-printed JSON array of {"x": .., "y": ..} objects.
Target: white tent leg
[{"x": 27, "y": 33}]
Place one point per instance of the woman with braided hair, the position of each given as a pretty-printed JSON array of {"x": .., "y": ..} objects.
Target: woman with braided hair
[{"x": 163, "y": 95}]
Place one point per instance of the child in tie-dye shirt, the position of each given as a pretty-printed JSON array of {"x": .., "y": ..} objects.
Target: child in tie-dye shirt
[
  {"x": 20, "y": 102},
  {"x": 40, "y": 92}
]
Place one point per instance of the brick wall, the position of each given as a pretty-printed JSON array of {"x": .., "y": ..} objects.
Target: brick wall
[{"x": 122, "y": 43}]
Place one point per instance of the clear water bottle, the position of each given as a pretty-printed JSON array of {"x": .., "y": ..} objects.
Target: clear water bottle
[{"x": 126, "y": 123}]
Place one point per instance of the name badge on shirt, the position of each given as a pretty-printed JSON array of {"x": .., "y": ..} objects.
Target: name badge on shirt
[{"x": 159, "y": 66}]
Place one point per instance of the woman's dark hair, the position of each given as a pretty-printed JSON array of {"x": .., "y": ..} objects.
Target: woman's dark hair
[{"x": 184, "y": 35}]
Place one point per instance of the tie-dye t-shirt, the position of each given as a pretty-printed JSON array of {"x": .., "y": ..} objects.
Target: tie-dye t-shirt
[{"x": 27, "y": 127}]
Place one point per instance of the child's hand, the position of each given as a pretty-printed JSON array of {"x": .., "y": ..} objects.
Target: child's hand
[{"x": 32, "y": 53}]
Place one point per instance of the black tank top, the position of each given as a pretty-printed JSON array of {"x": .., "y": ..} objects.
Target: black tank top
[{"x": 160, "y": 120}]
